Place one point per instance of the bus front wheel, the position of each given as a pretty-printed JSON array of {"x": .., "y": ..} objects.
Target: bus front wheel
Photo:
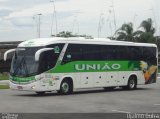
[{"x": 66, "y": 87}]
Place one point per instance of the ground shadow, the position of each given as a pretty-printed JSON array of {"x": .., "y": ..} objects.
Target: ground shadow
[{"x": 87, "y": 91}]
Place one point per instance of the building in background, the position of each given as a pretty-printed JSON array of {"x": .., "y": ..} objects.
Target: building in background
[{"x": 4, "y": 46}]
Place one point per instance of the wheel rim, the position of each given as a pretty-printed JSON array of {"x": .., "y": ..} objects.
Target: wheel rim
[
  {"x": 132, "y": 84},
  {"x": 65, "y": 87}
]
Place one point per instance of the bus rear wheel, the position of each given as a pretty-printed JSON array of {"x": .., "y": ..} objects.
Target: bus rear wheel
[
  {"x": 132, "y": 83},
  {"x": 66, "y": 87}
]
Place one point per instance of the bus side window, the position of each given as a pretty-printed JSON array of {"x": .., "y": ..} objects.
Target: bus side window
[
  {"x": 138, "y": 53},
  {"x": 146, "y": 53},
  {"x": 67, "y": 58},
  {"x": 149, "y": 55},
  {"x": 91, "y": 52},
  {"x": 108, "y": 52},
  {"x": 121, "y": 53},
  {"x": 47, "y": 61},
  {"x": 73, "y": 53}
]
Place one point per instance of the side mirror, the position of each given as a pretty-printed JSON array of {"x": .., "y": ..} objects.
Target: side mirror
[
  {"x": 38, "y": 53},
  {"x": 7, "y": 52}
]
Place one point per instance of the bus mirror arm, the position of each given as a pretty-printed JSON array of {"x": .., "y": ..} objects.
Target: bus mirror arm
[
  {"x": 7, "y": 52},
  {"x": 38, "y": 53}
]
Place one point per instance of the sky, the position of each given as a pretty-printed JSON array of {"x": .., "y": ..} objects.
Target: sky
[{"x": 19, "y": 18}]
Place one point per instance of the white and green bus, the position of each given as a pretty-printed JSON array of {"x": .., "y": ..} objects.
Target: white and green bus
[{"x": 66, "y": 64}]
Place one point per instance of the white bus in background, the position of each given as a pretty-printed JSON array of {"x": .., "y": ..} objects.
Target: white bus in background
[{"x": 67, "y": 64}]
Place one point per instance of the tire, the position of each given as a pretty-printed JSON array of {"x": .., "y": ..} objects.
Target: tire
[
  {"x": 66, "y": 87},
  {"x": 132, "y": 83},
  {"x": 40, "y": 93}
]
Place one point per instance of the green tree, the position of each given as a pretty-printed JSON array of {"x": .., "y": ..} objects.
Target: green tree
[
  {"x": 148, "y": 26},
  {"x": 125, "y": 32},
  {"x": 65, "y": 34},
  {"x": 147, "y": 34}
]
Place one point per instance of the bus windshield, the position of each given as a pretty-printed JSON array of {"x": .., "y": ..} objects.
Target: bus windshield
[{"x": 24, "y": 64}]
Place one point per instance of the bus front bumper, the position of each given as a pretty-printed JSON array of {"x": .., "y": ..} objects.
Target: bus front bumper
[{"x": 35, "y": 86}]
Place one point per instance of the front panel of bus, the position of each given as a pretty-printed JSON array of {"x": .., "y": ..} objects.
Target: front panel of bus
[{"x": 26, "y": 73}]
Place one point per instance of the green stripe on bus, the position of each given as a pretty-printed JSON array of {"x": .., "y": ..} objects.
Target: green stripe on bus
[{"x": 96, "y": 66}]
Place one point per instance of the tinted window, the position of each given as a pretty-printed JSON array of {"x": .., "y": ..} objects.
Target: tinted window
[
  {"x": 149, "y": 55},
  {"x": 90, "y": 52},
  {"x": 80, "y": 52},
  {"x": 108, "y": 52},
  {"x": 122, "y": 53},
  {"x": 149, "y": 52},
  {"x": 49, "y": 59}
]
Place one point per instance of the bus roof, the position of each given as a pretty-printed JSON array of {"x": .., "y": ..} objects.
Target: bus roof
[{"x": 79, "y": 40}]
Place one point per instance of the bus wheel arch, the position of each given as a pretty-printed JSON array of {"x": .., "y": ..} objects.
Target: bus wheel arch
[
  {"x": 66, "y": 86},
  {"x": 132, "y": 82}
]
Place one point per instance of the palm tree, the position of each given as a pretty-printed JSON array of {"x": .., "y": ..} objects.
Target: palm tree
[
  {"x": 148, "y": 26},
  {"x": 147, "y": 34},
  {"x": 125, "y": 32}
]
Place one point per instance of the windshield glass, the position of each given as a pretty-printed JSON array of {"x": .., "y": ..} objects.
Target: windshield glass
[{"x": 23, "y": 62}]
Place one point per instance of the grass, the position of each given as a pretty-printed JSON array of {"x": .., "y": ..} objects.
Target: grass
[
  {"x": 3, "y": 77},
  {"x": 4, "y": 87}
]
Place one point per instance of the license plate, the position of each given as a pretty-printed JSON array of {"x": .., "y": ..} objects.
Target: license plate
[{"x": 19, "y": 87}]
